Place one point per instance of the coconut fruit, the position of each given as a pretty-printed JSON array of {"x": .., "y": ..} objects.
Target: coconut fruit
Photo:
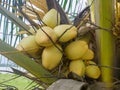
[
  {"x": 92, "y": 71},
  {"x": 88, "y": 55},
  {"x": 52, "y": 18},
  {"x": 90, "y": 63},
  {"x": 65, "y": 32},
  {"x": 29, "y": 46},
  {"x": 44, "y": 36},
  {"x": 75, "y": 50},
  {"x": 51, "y": 57},
  {"x": 77, "y": 67}
]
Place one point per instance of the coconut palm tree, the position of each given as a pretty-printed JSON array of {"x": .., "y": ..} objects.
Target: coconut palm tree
[{"x": 29, "y": 13}]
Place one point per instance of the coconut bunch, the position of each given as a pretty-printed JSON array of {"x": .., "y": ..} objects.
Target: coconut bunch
[
  {"x": 81, "y": 56},
  {"x": 57, "y": 47}
]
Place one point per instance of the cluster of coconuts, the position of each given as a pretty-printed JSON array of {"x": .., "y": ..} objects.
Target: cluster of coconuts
[
  {"x": 54, "y": 42},
  {"x": 81, "y": 56}
]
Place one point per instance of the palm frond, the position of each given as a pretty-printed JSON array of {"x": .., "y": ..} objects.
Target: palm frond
[
  {"x": 25, "y": 62},
  {"x": 38, "y": 6},
  {"x": 8, "y": 28}
]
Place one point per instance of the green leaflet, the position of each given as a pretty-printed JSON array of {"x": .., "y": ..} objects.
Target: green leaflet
[{"x": 22, "y": 60}]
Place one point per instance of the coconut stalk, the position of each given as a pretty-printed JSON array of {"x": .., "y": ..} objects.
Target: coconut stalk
[{"x": 104, "y": 15}]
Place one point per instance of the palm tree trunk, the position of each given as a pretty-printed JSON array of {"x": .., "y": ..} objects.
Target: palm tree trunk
[{"x": 104, "y": 14}]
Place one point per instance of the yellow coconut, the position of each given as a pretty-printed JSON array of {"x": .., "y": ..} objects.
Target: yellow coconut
[
  {"x": 45, "y": 36},
  {"x": 29, "y": 46},
  {"x": 90, "y": 63},
  {"x": 65, "y": 32},
  {"x": 52, "y": 18},
  {"x": 75, "y": 50},
  {"x": 77, "y": 67},
  {"x": 51, "y": 57},
  {"x": 88, "y": 55},
  {"x": 92, "y": 71}
]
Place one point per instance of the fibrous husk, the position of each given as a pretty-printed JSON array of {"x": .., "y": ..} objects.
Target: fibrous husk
[
  {"x": 45, "y": 36},
  {"x": 92, "y": 71},
  {"x": 76, "y": 49},
  {"x": 29, "y": 47},
  {"x": 65, "y": 32},
  {"x": 89, "y": 55},
  {"x": 51, "y": 57},
  {"x": 52, "y": 18},
  {"x": 89, "y": 62},
  {"x": 77, "y": 67}
]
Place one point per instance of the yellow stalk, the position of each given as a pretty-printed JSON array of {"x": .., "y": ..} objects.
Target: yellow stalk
[{"x": 104, "y": 14}]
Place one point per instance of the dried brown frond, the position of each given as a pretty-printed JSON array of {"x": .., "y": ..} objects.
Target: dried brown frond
[{"x": 33, "y": 6}]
